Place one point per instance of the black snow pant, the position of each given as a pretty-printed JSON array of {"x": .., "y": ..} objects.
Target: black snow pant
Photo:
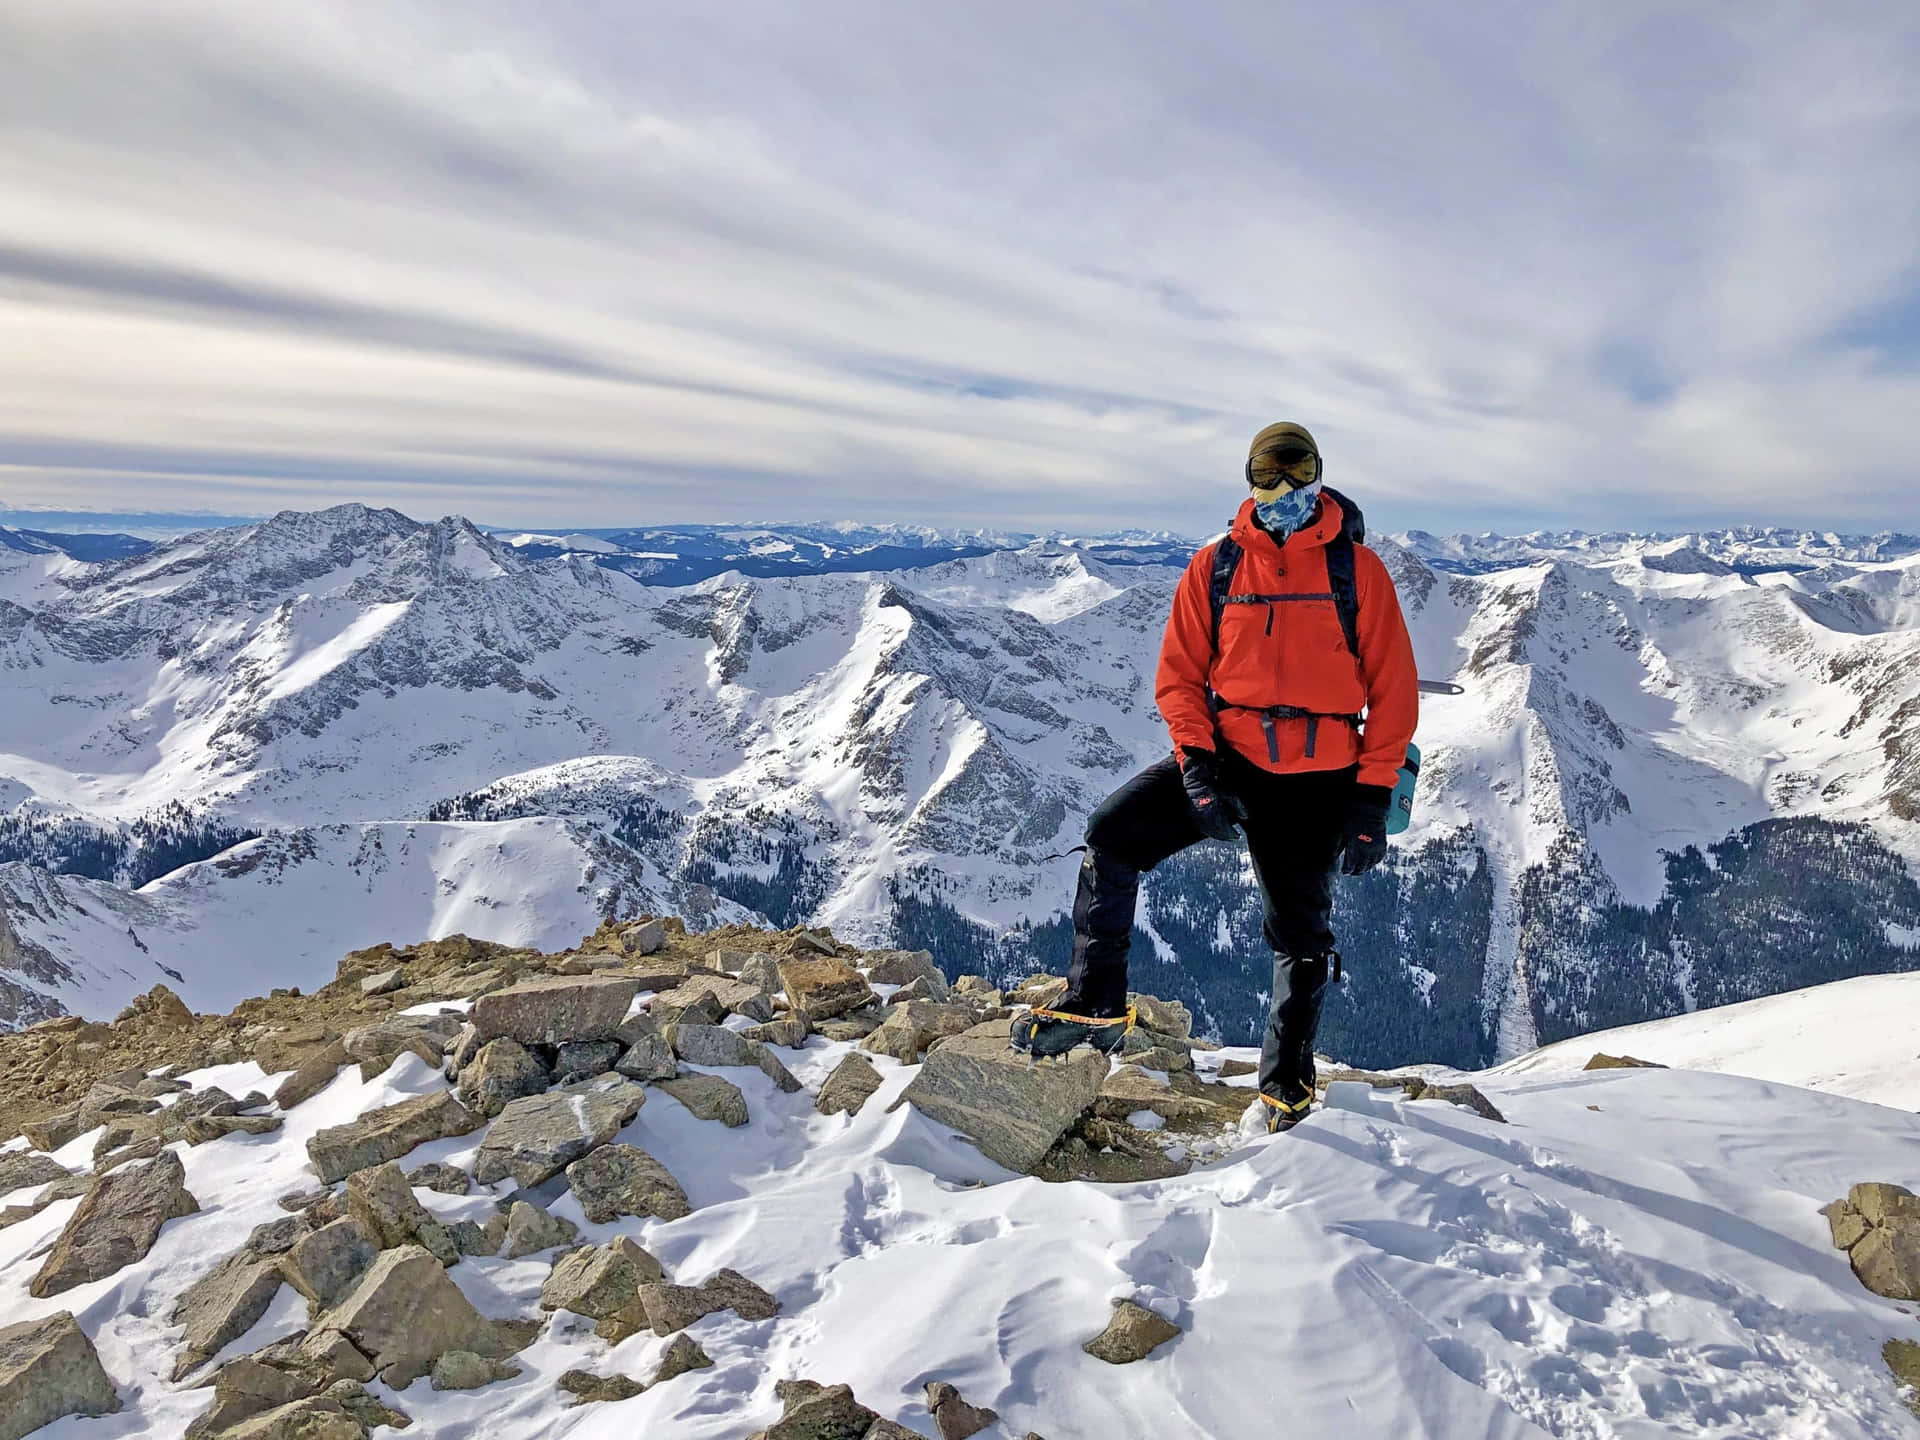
[{"x": 1293, "y": 828}]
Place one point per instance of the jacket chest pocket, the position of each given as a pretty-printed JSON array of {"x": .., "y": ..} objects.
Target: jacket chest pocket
[{"x": 1261, "y": 633}]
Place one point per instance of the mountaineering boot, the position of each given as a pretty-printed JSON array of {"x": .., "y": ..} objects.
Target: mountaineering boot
[
  {"x": 1041, "y": 1032},
  {"x": 1285, "y": 1112}
]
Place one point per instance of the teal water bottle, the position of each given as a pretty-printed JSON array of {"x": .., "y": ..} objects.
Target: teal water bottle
[{"x": 1400, "y": 808}]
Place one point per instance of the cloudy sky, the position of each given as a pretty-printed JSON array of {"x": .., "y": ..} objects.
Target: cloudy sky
[{"x": 978, "y": 263}]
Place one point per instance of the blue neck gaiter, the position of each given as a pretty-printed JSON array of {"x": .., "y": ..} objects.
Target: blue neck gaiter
[{"x": 1280, "y": 518}]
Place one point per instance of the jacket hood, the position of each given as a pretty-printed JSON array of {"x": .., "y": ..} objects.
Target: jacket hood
[{"x": 1324, "y": 526}]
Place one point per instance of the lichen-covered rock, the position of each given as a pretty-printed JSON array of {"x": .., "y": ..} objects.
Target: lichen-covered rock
[
  {"x": 387, "y": 1134},
  {"x": 681, "y": 1355},
  {"x": 531, "y": 1230},
  {"x": 223, "y": 1305},
  {"x": 789, "y": 1031},
  {"x": 326, "y": 1264},
  {"x": 538, "y": 1136},
  {"x": 464, "y": 1370},
  {"x": 817, "y": 1412},
  {"x": 588, "y": 1388},
  {"x": 1903, "y": 1359},
  {"x": 553, "y": 1011},
  {"x": 953, "y": 1416},
  {"x": 600, "y": 1280},
  {"x": 314, "y": 1418},
  {"x": 48, "y": 1369},
  {"x": 1011, "y": 1109},
  {"x": 1182, "y": 1100},
  {"x": 616, "y": 1180},
  {"x": 583, "y": 1059},
  {"x": 848, "y": 1087},
  {"x": 383, "y": 1203},
  {"x": 24, "y": 1171},
  {"x": 904, "y": 967},
  {"x": 118, "y": 1220},
  {"x": 1133, "y": 1332},
  {"x": 823, "y": 987},
  {"x": 649, "y": 1057},
  {"x": 441, "y": 1177},
  {"x": 500, "y": 1072},
  {"x": 246, "y": 1387},
  {"x": 405, "y": 1313},
  {"x": 672, "y": 1308},
  {"x": 709, "y": 1097}
]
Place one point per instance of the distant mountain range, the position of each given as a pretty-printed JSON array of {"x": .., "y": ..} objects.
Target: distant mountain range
[{"x": 1685, "y": 770}]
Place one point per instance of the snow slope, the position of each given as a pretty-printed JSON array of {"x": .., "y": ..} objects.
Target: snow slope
[
  {"x": 1637, "y": 1254},
  {"x": 1810, "y": 1037},
  {"x": 282, "y": 910}
]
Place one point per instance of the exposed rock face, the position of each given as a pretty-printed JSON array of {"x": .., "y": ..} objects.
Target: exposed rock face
[
  {"x": 48, "y": 1369},
  {"x": 823, "y": 987},
  {"x": 382, "y": 1202},
  {"x": 247, "y": 1387},
  {"x": 387, "y": 1134},
  {"x": 315, "y": 1418},
  {"x": 464, "y": 1370},
  {"x": 223, "y": 1305},
  {"x": 447, "y": 1179},
  {"x": 717, "y": 1045},
  {"x": 672, "y": 1308},
  {"x": 955, "y": 1419},
  {"x": 601, "y": 1280},
  {"x": 377, "y": 1046},
  {"x": 325, "y": 1265},
  {"x": 117, "y": 1222},
  {"x": 1012, "y": 1110},
  {"x": 554, "y": 1011},
  {"x": 762, "y": 971},
  {"x": 1163, "y": 1017},
  {"x": 850, "y": 1086},
  {"x": 616, "y": 1180},
  {"x": 914, "y": 1024},
  {"x": 1620, "y": 1062},
  {"x": 1878, "y": 1225},
  {"x": 583, "y": 1059},
  {"x": 734, "y": 997},
  {"x": 406, "y": 1313},
  {"x": 709, "y": 1097},
  {"x": 531, "y": 1230},
  {"x": 540, "y": 1135},
  {"x": 502, "y": 1071},
  {"x": 1133, "y": 1332}
]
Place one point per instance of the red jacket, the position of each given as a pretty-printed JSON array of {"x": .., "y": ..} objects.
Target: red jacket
[{"x": 1291, "y": 653}]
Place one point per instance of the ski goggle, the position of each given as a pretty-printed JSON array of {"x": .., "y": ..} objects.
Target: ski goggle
[{"x": 1283, "y": 466}]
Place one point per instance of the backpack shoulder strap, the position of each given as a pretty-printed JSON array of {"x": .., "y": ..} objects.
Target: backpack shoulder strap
[
  {"x": 1226, "y": 560},
  {"x": 1340, "y": 572}
]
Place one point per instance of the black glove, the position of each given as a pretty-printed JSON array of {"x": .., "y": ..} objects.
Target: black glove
[
  {"x": 1214, "y": 812},
  {"x": 1364, "y": 843}
]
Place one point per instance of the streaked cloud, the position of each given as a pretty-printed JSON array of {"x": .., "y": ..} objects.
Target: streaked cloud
[{"x": 572, "y": 264}]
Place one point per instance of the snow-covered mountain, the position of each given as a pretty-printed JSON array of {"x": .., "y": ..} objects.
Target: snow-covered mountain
[{"x": 1671, "y": 782}]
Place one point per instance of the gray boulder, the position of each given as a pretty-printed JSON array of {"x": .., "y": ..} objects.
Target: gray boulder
[
  {"x": 464, "y": 1370},
  {"x": 904, "y": 967},
  {"x": 555, "y": 1010},
  {"x": 583, "y": 1059},
  {"x": 588, "y": 1388},
  {"x": 954, "y": 1417},
  {"x": 600, "y": 1280},
  {"x": 48, "y": 1369},
  {"x": 850, "y": 1086},
  {"x": 823, "y": 987},
  {"x": 387, "y": 1134},
  {"x": 23, "y": 1171},
  {"x": 118, "y": 1220},
  {"x": 1013, "y": 1110},
  {"x": 538, "y": 1136},
  {"x": 244, "y": 1388},
  {"x": 682, "y": 1354},
  {"x": 649, "y": 1057},
  {"x": 531, "y": 1230},
  {"x": 616, "y": 1180},
  {"x": 812, "y": 1411},
  {"x": 709, "y": 1097},
  {"x": 378, "y": 1045},
  {"x": 501, "y": 1072},
  {"x": 315, "y": 1071},
  {"x": 406, "y": 1313},
  {"x": 441, "y": 1177},
  {"x": 381, "y": 1201},
  {"x": 789, "y": 1032},
  {"x": 717, "y": 1045},
  {"x": 671, "y": 1308},
  {"x": 314, "y": 1418}
]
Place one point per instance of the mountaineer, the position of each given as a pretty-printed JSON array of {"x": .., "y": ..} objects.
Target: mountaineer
[{"x": 1287, "y": 681}]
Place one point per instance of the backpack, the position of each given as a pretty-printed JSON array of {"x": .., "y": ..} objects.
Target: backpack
[{"x": 1340, "y": 578}]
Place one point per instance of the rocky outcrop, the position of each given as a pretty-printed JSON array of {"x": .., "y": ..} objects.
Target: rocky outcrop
[
  {"x": 1133, "y": 1332},
  {"x": 556, "y": 1010},
  {"x": 717, "y": 1045},
  {"x": 850, "y": 1086},
  {"x": 822, "y": 987},
  {"x": 1182, "y": 1100},
  {"x": 538, "y": 1136},
  {"x": 383, "y": 1204},
  {"x": 405, "y": 1313},
  {"x": 48, "y": 1369},
  {"x": 709, "y": 1097},
  {"x": 378, "y": 1045},
  {"x": 1878, "y": 1225},
  {"x": 23, "y": 1171},
  {"x": 616, "y": 1180},
  {"x": 600, "y": 1281},
  {"x": 223, "y": 1305},
  {"x": 118, "y": 1220},
  {"x": 1602, "y": 1061},
  {"x": 1012, "y": 1109},
  {"x": 387, "y": 1133}
]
